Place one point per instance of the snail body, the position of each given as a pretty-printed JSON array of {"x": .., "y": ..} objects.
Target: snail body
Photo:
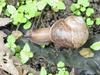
[{"x": 70, "y": 32}]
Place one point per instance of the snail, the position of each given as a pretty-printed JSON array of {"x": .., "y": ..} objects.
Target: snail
[{"x": 70, "y": 32}]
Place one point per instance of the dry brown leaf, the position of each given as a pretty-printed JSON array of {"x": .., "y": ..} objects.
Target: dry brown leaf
[
  {"x": 6, "y": 62},
  {"x": 4, "y": 21},
  {"x": 2, "y": 72},
  {"x": 24, "y": 69}
]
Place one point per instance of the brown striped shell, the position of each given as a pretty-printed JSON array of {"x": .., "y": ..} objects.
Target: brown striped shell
[{"x": 70, "y": 32}]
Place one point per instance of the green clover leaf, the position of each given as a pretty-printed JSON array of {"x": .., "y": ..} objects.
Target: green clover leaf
[
  {"x": 89, "y": 11},
  {"x": 84, "y": 3},
  {"x": 89, "y": 21},
  {"x": 77, "y": 12},
  {"x": 52, "y": 2},
  {"x": 18, "y": 18},
  {"x": 11, "y": 43},
  {"x": 74, "y": 7},
  {"x": 98, "y": 21},
  {"x": 28, "y": 1},
  {"x": 27, "y": 25},
  {"x": 82, "y": 9},
  {"x": 11, "y": 9},
  {"x": 95, "y": 46},
  {"x": 60, "y": 64},
  {"x": 61, "y": 72},
  {"x": 30, "y": 74},
  {"x": 60, "y": 5},
  {"x": 41, "y": 4},
  {"x": 11, "y": 39},
  {"x": 21, "y": 9},
  {"x": 30, "y": 10},
  {"x": 25, "y": 53}
]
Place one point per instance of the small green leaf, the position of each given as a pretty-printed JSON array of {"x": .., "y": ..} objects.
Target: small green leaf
[
  {"x": 74, "y": 7},
  {"x": 11, "y": 43},
  {"x": 84, "y": 3},
  {"x": 60, "y": 5},
  {"x": 95, "y": 46},
  {"x": 18, "y": 48},
  {"x": 11, "y": 9},
  {"x": 43, "y": 46},
  {"x": 77, "y": 12},
  {"x": 89, "y": 11},
  {"x": 77, "y": 6},
  {"x": 98, "y": 21},
  {"x": 37, "y": 13},
  {"x": 7, "y": 13},
  {"x": 27, "y": 25},
  {"x": 50, "y": 74},
  {"x": 41, "y": 4},
  {"x": 11, "y": 39},
  {"x": 30, "y": 74},
  {"x": 21, "y": 9},
  {"x": 28, "y": 1},
  {"x": 52, "y": 2},
  {"x": 26, "y": 47},
  {"x": 43, "y": 71},
  {"x": 60, "y": 64},
  {"x": 61, "y": 72},
  {"x": 89, "y": 22},
  {"x": 19, "y": 18},
  {"x": 66, "y": 73},
  {"x": 17, "y": 55},
  {"x": 30, "y": 10},
  {"x": 83, "y": 9},
  {"x": 2, "y": 3},
  {"x": 25, "y": 53}
]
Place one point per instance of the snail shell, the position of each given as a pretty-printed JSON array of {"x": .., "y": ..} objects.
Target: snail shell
[{"x": 70, "y": 32}]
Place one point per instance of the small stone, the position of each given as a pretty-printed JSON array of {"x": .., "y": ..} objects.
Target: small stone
[
  {"x": 86, "y": 52},
  {"x": 17, "y": 34}
]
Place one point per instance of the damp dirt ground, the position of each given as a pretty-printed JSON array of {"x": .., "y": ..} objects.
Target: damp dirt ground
[{"x": 51, "y": 55}]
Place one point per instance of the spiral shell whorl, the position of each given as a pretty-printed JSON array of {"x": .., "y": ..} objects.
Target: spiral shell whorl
[{"x": 70, "y": 32}]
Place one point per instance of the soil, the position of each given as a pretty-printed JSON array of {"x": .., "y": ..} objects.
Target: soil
[{"x": 51, "y": 55}]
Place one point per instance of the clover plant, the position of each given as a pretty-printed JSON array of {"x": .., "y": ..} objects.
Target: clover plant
[
  {"x": 89, "y": 11},
  {"x": 89, "y": 22},
  {"x": 79, "y": 7},
  {"x": 61, "y": 69},
  {"x": 95, "y": 46},
  {"x": 82, "y": 8},
  {"x": 25, "y": 53},
  {"x": 56, "y": 5},
  {"x": 11, "y": 43},
  {"x": 84, "y": 3},
  {"x": 28, "y": 9}
]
